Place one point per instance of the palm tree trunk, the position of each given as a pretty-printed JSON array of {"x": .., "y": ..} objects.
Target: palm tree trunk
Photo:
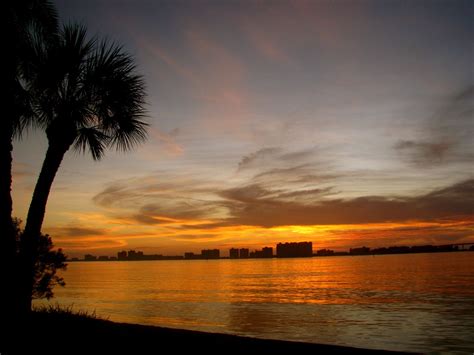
[
  {"x": 7, "y": 235},
  {"x": 34, "y": 221}
]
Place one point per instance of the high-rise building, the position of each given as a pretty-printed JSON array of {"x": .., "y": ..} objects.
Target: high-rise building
[
  {"x": 89, "y": 257},
  {"x": 266, "y": 252},
  {"x": 290, "y": 250},
  {"x": 210, "y": 254},
  {"x": 243, "y": 253},
  {"x": 234, "y": 253},
  {"x": 122, "y": 255}
]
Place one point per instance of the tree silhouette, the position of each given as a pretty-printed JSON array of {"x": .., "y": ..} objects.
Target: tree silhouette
[
  {"x": 24, "y": 20},
  {"x": 48, "y": 262},
  {"x": 86, "y": 95}
]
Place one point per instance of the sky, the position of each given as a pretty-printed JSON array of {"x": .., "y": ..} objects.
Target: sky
[{"x": 344, "y": 123}]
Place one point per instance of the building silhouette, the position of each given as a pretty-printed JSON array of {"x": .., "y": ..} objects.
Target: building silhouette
[
  {"x": 266, "y": 252},
  {"x": 210, "y": 254},
  {"x": 292, "y": 250},
  {"x": 234, "y": 253},
  {"x": 359, "y": 251},
  {"x": 89, "y": 257},
  {"x": 133, "y": 255},
  {"x": 191, "y": 256},
  {"x": 122, "y": 255},
  {"x": 243, "y": 253},
  {"x": 325, "y": 252}
]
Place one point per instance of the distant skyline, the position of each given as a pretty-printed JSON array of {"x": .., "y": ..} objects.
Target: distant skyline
[{"x": 344, "y": 123}]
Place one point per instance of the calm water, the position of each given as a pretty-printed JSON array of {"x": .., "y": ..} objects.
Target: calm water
[{"x": 422, "y": 302}]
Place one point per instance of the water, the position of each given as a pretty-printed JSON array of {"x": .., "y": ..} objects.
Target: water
[{"x": 420, "y": 302}]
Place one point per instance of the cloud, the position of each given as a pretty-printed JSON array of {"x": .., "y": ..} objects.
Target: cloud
[
  {"x": 299, "y": 155},
  {"x": 276, "y": 157},
  {"x": 303, "y": 174},
  {"x": 257, "y": 158},
  {"x": 92, "y": 244},
  {"x": 256, "y": 193},
  {"x": 254, "y": 205},
  {"x": 78, "y": 231},
  {"x": 275, "y": 197},
  {"x": 424, "y": 153},
  {"x": 168, "y": 140},
  {"x": 447, "y": 136},
  {"x": 161, "y": 198}
]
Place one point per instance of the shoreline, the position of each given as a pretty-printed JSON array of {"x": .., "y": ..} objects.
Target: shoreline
[
  {"x": 273, "y": 257},
  {"x": 70, "y": 333}
]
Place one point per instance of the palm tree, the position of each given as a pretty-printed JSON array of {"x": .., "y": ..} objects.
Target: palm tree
[
  {"x": 25, "y": 20},
  {"x": 88, "y": 96}
]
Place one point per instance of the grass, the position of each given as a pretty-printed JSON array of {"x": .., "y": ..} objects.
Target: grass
[{"x": 66, "y": 311}]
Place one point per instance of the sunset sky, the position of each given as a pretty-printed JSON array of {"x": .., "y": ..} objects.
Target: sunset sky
[{"x": 344, "y": 123}]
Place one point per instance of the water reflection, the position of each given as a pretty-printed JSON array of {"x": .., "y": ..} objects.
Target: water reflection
[{"x": 422, "y": 302}]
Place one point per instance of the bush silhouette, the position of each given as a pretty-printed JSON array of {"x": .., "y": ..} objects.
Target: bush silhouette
[{"x": 48, "y": 262}]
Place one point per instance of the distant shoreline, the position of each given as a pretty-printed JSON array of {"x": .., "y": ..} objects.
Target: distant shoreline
[{"x": 276, "y": 257}]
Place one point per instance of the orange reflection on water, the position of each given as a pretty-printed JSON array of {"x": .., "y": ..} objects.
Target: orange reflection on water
[
  {"x": 323, "y": 280},
  {"x": 354, "y": 300}
]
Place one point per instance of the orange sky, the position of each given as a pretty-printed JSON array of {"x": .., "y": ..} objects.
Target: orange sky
[{"x": 341, "y": 123}]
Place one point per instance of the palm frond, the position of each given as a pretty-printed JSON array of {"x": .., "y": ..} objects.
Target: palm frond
[
  {"x": 92, "y": 87},
  {"x": 92, "y": 139},
  {"x": 23, "y": 109},
  {"x": 118, "y": 94},
  {"x": 131, "y": 131}
]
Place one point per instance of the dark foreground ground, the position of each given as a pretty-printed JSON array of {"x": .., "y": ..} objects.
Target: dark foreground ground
[{"x": 49, "y": 333}]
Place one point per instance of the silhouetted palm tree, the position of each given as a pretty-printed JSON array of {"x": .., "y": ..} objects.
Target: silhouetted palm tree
[
  {"x": 87, "y": 96},
  {"x": 24, "y": 20}
]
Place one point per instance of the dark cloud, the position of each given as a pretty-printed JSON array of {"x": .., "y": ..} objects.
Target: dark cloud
[
  {"x": 268, "y": 205},
  {"x": 157, "y": 200},
  {"x": 193, "y": 237},
  {"x": 249, "y": 193},
  {"x": 96, "y": 244},
  {"x": 114, "y": 193},
  {"x": 180, "y": 209},
  {"x": 424, "y": 153},
  {"x": 76, "y": 232},
  {"x": 253, "y": 205},
  {"x": 306, "y": 194},
  {"x": 304, "y": 174},
  {"x": 258, "y": 157},
  {"x": 447, "y": 136},
  {"x": 277, "y": 156},
  {"x": 253, "y": 193}
]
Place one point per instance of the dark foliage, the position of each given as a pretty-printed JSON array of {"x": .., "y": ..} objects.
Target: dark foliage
[{"x": 48, "y": 262}]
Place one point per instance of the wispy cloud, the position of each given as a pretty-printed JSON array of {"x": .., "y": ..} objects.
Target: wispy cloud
[
  {"x": 254, "y": 205},
  {"x": 447, "y": 134},
  {"x": 168, "y": 140},
  {"x": 424, "y": 153},
  {"x": 257, "y": 158},
  {"x": 76, "y": 231}
]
